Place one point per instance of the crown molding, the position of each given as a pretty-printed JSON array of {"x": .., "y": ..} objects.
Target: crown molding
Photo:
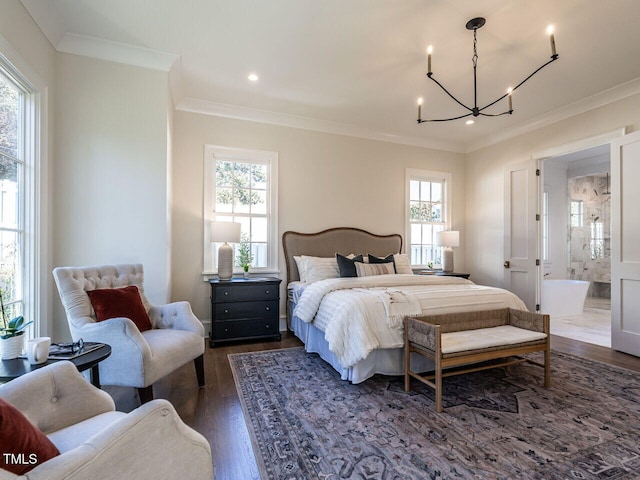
[
  {"x": 116, "y": 52},
  {"x": 598, "y": 100},
  {"x": 294, "y": 121}
]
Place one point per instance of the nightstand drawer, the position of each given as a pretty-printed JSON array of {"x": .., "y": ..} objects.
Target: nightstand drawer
[
  {"x": 244, "y": 329},
  {"x": 241, "y": 310},
  {"x": 245, "y": 293}
]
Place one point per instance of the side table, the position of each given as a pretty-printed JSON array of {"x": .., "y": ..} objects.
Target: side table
[
  {"x": 10, "y": 369},
  {"x": 244, "y": 309}
]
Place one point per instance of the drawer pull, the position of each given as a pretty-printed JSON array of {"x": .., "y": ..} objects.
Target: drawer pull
[
  {"x": 226, "y": 311},
  {"x": 266, "y": 308},
  {"x": 226, "y": 293},
  {"x": 266, "y": 292},
  {"x": 267, "y": 326},
  {"x": 226, "y": 330}
]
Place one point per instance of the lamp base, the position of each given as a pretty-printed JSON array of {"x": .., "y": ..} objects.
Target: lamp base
[
  {"x": 225, "y": 262},
  {"x": 447, "y": 259}
]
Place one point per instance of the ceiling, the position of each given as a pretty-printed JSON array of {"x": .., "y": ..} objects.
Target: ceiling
[{"x": 358, "y": 66}]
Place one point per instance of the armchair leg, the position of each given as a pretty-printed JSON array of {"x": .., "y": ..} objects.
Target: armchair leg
[
  {"x": 199, "y": 363},
  {"x": 146, "y": 394}
]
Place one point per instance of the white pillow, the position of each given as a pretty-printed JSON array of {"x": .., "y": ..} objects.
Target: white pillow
[
  {"x": 403, "y": 264},
  {"x": 302, "y": 273},
  {"x": 320, "y": 268},
  {"x": 369, "y": 269}
]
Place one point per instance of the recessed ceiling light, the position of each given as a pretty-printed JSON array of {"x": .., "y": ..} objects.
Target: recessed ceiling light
[
  {"x": 470, "y": 122},
  {"x": 253, "y": 77}
]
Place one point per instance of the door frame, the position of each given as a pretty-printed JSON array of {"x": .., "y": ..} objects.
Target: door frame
[{"x": 606, "y": 138}]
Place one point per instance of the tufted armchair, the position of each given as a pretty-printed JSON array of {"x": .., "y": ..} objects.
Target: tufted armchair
[
  {"x": 97, "y": 442},
  {"x": 138, "y": 359}
]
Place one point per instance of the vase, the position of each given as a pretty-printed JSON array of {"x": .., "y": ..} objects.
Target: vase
[
  {"x": 11, "y": 347},
  {"x": 246, "y": 274}
]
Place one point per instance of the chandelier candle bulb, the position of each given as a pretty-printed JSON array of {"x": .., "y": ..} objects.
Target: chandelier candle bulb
[
  {"x": 552, "y": 39},
  {"x": 429, "y": 51},
  {"x": 509, "y": 92},
  {"x": 419, "y": 108}
]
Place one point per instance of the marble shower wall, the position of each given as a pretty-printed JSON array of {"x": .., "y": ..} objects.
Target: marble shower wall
[{"x": 590, "y": 233}]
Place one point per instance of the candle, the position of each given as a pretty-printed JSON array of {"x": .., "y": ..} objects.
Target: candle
[
  {"x": 419, "y": 108},
  {"x": 509, "y": 92},
  {"x": 552, "y": 39},
  {"x": 429, "y": 51}
]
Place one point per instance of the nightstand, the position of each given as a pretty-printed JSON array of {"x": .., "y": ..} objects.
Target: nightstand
[
  {"x": 453, "y": 274},
  {"x": 244, "y": 309}
]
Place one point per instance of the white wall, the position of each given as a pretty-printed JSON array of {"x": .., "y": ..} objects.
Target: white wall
[
  {"x": 485, "y": 179},
  {"x": 111, "y": 170},
  {"x": 324, "y": 181}
]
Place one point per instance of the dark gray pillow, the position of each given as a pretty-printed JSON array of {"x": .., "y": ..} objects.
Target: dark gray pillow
[
  {"x": 347, "y": 266},
  {"x": 387, "y": 259}
]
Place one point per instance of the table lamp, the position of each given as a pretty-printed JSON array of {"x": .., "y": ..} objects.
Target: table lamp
[
  {"x": 447, "y": 239},
  {"x": 225, "y": 233}
]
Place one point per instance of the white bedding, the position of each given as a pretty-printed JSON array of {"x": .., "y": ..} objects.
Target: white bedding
[{"x": 352, "y": 313}]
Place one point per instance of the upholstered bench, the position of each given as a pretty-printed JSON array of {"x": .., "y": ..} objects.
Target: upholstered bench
[{"x": 456, "y": 339}]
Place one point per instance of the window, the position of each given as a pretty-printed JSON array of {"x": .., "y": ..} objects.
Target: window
[
  {"x": 427, "y": 206},
  {"x": 12, "y": 160},
  {"x": 576, "y": 213},
  {"x": 241, "y": 186},
  {"x": 597, "y": 239}
]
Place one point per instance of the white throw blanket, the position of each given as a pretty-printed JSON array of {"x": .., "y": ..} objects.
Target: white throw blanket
[
  {"x": 397, "y": 304},
  {"x": 352, "y": 313}
]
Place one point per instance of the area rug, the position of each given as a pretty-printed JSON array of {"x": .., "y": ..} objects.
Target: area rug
[{"x": 307, "y": 424}]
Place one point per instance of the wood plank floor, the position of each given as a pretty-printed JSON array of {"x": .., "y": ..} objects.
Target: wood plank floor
[{"x": 215, "y": 410}]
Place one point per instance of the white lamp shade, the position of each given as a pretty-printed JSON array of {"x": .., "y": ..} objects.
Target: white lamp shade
[
  {"x": 225, "y": 232},
  {"x": 449, "y": 238}
]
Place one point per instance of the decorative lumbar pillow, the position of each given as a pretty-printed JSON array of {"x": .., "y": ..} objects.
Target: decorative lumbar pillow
[
  {"x": 22, "y": 445},
  {"x": 346, "y": 265},
  {"x": 320, "y": 268},
  {"x": 120, "y": 302},
  {"x": 369, "y": 269},
  {"x": 402, "y": 263},
  {"x": 387, "y": 259}
]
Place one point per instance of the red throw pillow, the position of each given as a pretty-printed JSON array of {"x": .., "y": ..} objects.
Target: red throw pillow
[
  {"x": 22, "y": 445},
  {"x": 120, "y": 302}
]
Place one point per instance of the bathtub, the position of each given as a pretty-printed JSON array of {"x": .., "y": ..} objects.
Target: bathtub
[{"x": 561, "y": 298}]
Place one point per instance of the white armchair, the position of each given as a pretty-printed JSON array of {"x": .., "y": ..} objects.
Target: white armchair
[
  {"x": 95, "y": 441},
  {"x": 138, "y": 359}
]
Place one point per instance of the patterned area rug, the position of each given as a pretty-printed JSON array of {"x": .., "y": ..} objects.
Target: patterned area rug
[{"x": 306, "y": 423}]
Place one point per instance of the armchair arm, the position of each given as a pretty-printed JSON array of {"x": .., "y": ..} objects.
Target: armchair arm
[
  {"x": 176, "y": 315},
  {"x": 56, "y": 396},
  {"x": 120, "y": 333},
  {"x": 150, "y": 443}
]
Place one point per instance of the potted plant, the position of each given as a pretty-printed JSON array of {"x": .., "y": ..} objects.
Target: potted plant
[
  {"x": 11, "y": 334},
  {"x": 244, "y": 255}
]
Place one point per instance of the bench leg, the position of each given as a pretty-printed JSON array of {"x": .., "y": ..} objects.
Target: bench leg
[
  {"x": 407, "y": 358},
  {"x": 438, "y": 384},
  {"x": 547, "y": 367}
]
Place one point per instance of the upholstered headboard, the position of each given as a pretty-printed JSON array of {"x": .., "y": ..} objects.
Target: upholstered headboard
[{"x": 344, "y": 240}]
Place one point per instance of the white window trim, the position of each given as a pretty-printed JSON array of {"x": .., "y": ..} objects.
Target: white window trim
[
  {"x": 36, "y": 247},
  {"x": 428, "y": 176},
  {"x": 215, "y": 152}
]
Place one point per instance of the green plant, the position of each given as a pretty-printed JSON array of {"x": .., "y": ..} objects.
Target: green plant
[
  {"x": 14, "y": 327},
  {"x": 244, "y": 254}
]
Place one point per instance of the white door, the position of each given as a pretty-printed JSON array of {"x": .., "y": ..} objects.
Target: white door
[
  {"x": 521, "y": 231},
  {"x": 625, "y": 244}
]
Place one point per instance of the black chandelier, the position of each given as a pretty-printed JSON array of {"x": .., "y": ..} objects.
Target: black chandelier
[{"x": 474, "y": 24}]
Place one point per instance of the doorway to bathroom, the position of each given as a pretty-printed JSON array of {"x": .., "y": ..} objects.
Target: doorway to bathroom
[{"x": 576, "y": 244}]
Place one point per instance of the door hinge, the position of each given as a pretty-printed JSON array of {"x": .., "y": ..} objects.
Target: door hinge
[
  {"x": 537, "y": 307},
  {"x": 537, "y": 172},
  {"x": 537, "y": 262},
  {"x": 537, "y": 217}
]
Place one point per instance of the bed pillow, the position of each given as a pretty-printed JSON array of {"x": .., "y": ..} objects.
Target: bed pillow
[
  {"x": 346, "y": 265},
  {"x": 302, "y": 273},
  {"x": 370, "y": 269},
  {"x": 120, "y": 302},
  {"x": 378, "y": 260},
  {"x": 402, "y": 263},
  {"x": 320, "y": 268},
  {"x": 19, "y": 436}
]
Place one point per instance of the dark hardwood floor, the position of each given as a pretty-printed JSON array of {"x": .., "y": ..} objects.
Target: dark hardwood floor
[{"x": 216, "y": 413}]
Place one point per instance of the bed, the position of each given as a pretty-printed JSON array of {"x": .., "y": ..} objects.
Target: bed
[{"x": 356, "y": 324}]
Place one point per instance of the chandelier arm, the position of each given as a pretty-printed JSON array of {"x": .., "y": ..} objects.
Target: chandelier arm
[
  {"x": 446, "y": 119},
  {"x": 448, "y": 93},
  {"x": 553, "y": 59},
  {"x": 508, "y": 112}
]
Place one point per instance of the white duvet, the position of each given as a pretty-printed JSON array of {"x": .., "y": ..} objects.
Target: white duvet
[{"x": 361, "y": 314}]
